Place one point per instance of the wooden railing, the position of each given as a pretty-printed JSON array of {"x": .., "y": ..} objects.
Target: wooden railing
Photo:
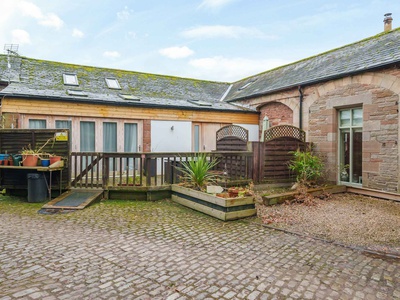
[{"x": 103, "y": 170}]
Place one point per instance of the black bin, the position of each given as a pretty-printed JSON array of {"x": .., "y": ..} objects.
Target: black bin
[{"x": 37, "y": 187}]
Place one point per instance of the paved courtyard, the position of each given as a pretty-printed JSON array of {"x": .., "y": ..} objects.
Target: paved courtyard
[{"x": 160, "y": 250}]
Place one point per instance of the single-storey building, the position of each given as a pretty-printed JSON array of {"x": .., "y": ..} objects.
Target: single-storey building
[
  {"x": 117, "y": 111},
  {"x": 346, "y": 100}
]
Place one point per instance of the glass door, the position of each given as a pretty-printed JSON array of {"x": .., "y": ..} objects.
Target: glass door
[
  {"x": 350, "y": 147},
  {"x": 110, "y": 139},
  {"x": 130, "y": 144}
]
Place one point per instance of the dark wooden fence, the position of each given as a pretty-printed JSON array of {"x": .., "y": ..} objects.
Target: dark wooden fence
[
  {"x": 103, "y": 170},
  {"x": 232, "y": 138},
  {"x": 13, "y": 141},
  {"x": 268, "y": 161},
  {"x": 274, "y": 154}
]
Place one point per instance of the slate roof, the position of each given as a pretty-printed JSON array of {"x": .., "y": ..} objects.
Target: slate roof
[
  {"x": 374, "y": 52},
  {"x": 37, "y": 78},
  {"x": 44, "y": 79}
]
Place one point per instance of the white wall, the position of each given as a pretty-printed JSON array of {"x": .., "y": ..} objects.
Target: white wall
[
  {"x": 253, "y": 131},
  {"x": 165, "y": 139}
]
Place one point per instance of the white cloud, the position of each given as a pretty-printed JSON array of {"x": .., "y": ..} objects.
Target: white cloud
[
  {"x": 222, "y": 31},
  {"x": 176, "y": 52},
  {"x": 214, "y": 3},
  {"x": 132, "y": 35},
  {"x": 111, "y": 54},
  {"x": 29, "y": 9},
  {"x": 77, "y": 33},
  {"x": 232, "y": 69},
  {"x": 125, "y": 14},
  {"x": 51, "y": 20},
  {"x": 20, "y": 37}
]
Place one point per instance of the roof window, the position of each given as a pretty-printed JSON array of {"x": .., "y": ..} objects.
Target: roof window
[
  {"x": 247, "y": 84},
  {"x": 129, "y": 97},
  {"x": 113, "y": 83},
  {"x": 70, "y": 79},
  {"x": 79, "y": 93},
  {"x": 200, "y": 103}
]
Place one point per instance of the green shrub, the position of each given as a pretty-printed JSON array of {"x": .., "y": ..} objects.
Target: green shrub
[
  {"x": 307, "y": 166},
  {"x": 196, "y": 172}
]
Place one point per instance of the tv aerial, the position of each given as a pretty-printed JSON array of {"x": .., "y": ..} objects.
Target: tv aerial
[{"x": 12, "y": 51}]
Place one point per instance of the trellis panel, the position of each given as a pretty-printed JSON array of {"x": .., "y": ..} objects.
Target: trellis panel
[
  {"x": 288, "y": 131},
  {"x": 279, "y": 144},
  {"x": 232, "y": 138}
]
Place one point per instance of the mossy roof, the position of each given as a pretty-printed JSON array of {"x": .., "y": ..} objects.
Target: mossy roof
[
  {"x": 377, "y": 51},
  {"x": 38, "y": 78},
  {"x": 44, "y": 79}
]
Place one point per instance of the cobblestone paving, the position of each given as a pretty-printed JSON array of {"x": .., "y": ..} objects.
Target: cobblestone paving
[{"x": 163, "y": 251}]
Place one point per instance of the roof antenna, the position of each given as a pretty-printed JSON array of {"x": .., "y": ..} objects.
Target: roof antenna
[{"x": 10, "y": 50}]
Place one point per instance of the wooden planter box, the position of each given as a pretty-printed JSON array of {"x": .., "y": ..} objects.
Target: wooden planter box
[
  {"x": 281, "y": 198},
  {"x": 221, "y": 208}
]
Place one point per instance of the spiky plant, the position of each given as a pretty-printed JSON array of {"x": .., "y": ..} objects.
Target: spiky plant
[{"x": 196, "y": 171}]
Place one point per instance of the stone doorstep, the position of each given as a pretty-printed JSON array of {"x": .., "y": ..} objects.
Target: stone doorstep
[{"x": 281, "y": 198}]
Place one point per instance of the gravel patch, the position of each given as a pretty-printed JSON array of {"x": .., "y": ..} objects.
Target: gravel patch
[{"x": 349, "y": 219}]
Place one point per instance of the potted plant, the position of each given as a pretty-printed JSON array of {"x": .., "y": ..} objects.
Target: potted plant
[
  {"x": 31, "y": 156},
  {"x": 197, "y": 174},
  {"x": 308, "y": 168},
  {"x": 54, "y": 158}
]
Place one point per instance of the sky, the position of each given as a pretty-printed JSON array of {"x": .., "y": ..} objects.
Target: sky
[{"x": 216, "y": 40}]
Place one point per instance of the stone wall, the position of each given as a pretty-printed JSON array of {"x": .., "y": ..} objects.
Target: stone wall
[
  {"x": 277, "y": 113},
  {"x": 376, "y": 92}
]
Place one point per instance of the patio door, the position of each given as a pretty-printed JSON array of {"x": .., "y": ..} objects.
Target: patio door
[
  {"x": 110, "y": 139},
  {"x": 130, "y": 144},
  {"x": 350, "y": 145}
]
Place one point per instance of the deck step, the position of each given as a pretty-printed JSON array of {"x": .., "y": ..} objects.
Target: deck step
[{"x": 74, "y": 199}]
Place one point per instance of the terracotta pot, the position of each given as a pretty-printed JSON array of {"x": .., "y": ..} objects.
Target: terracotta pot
[
  {"x": 54, "y": 159},
  {"x": 30, "y": 160}
]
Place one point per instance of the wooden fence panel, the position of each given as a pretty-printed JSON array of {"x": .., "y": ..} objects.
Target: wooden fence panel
[
  {"x": 12, "y": 141},
  {"x": 232, "y": 138},
  {"x": 277, "y": 155}
]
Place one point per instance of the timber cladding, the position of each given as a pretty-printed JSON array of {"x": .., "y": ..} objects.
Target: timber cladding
[
  {"x": 76, "y": 109},
  {"x": 12, "y": 141}
]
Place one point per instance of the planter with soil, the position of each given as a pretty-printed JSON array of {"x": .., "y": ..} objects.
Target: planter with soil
[
  {"x": 281, "y": 198},
  {"x": 219, "y": 207}
]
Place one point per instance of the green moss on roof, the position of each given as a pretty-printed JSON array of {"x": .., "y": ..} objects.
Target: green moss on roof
[{"x": 321, "y": 54}]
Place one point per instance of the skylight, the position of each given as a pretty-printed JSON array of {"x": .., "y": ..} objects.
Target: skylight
[
  {"x": 113, "y": 83},
  {"x": 79, "y": 93},
  {"x": 247, "y": 84},
  {"x": 129, "y": 97},
  {"x": 200, "y": 103},
  {"x": 70, "y": 79}
]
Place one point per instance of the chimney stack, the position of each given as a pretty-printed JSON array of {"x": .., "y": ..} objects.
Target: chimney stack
[{"x": 387, "y": 21}]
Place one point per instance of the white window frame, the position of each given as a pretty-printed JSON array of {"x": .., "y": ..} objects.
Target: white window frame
[
  {"x": 112, "y": 83},
  {"x": 70, "y": 79},
  {"x": 351, "y": 129}
]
